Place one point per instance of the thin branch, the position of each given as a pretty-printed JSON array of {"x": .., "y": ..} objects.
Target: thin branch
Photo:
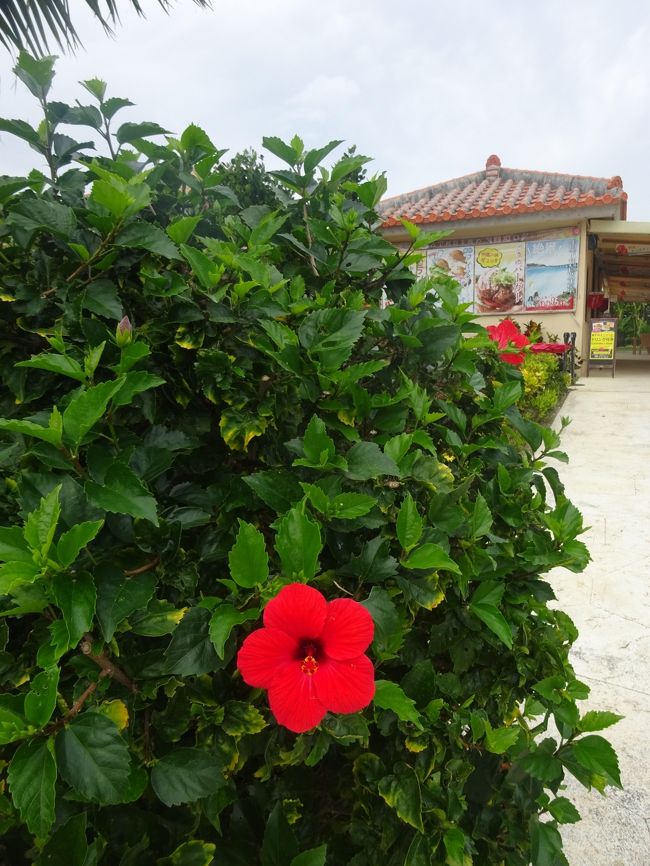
[
  {"x": 142, "y": 568},
  {"x": 108, "y": 668},
  {"x": 75, "y": 708},
  {"x": 310, "y": 242}
]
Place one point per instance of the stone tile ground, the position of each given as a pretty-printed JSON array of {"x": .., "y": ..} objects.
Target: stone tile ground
[{"x": 608, "y": 479}]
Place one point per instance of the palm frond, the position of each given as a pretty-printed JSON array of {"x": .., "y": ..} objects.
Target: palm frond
[{"x": 28, "y": 24}]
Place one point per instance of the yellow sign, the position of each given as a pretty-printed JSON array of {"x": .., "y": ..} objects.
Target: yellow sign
[
  {"x": 602, "y": 343},
  {"x": 489, "y": 257}
]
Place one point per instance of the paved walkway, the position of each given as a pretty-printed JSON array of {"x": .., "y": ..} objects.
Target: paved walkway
[{"x": 608, "y": 479}]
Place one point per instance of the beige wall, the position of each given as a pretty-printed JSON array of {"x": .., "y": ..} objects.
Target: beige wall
[
  {"x": 552, "y": 322},
  {"x": 556, "y": 323}
]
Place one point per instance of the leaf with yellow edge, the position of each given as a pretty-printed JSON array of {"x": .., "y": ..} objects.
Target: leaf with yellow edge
[
  {"x": 238, "y": 428},
  {"x": 116, "y": 711}
]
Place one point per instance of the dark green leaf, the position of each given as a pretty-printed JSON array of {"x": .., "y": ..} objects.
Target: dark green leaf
[
  {"x": 86, "y": 408},
  {"x": 101, "y": 297},
  {"x": 147, "y": 236},
  {"x": 431, "y": 556},
  {"x": 68, "y": 846},
  {"x": 36, "y": 73},
  {"x": 122, "y": 493},
  {"x": 32, "y": 775},
  {"x": 190, "y": 650},
  {"x": 401, "y": 791},
  {"x": 279, "y": 846},
  {"x": 29, "y": 428},
  {"x": 21, "y": 129},
  {"x": 74, "y": 594},
  {"x": 389, "y": 696},
  {"x": 389, "y": 635},
  {"x": 136, "y": 383},
  {"x": 313, "y": 857},
  {"x": 74, "y": 540},
  {"x": 40, "y": 700},
  {"x": 194, "y": 853},
  {"x": 494, "y": 620},
  {"x": 248, "y": 559},
  {"x": 454, "y": 842},
  {"x": 224, "y": 619},
  {"x": 419, "y": 852},
  {"x": 409, "y": 524},
  {"x": 13, "y": 547},
  {"x": 298, "y": 543},
  {"x": 185, "y": 775},
  {"x": 279, "y": 490},
  {"x": 546, "y": 845},
  {"x": 596, "y": 754},
  {"x": 111, "y": 106},
  {"x": 563, "y": 811},
  {"x": 367, "y": 461},
  {"x": 597, "y": 720},
  {"x": 129, "y": 132},
  {"x": 347, "y": 506},
  {"x": 181, "y": 229},
  {"x": 93, "y": 758},
  {"x": 481, "y": 520},
  {"x": 41, "y": 524},
  {"x": 284, "y": 151},
  {"x": 499, "y": 740},
  {"x": 118, "y": 596},
  {"x": 53, "y": 363}
]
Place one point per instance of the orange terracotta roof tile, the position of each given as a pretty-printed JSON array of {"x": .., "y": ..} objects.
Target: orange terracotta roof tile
[{"x": 497, "y": 191}]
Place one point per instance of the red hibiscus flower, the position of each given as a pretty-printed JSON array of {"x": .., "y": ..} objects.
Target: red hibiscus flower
[
  {"x": 309, "y": 656},
  {"x": 507, "y": 334}
]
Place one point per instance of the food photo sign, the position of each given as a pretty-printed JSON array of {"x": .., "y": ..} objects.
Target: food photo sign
[
  {"x": 521, "y": 273},
  {"x": 602, "y": 343}
]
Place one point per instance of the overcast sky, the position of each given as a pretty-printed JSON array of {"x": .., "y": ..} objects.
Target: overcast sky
[{"x": 429, "y": 89}]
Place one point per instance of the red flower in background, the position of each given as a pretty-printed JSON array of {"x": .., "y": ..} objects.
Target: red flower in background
[
  {"x": 507, "y": 334},
  {"x": 309, "y": 656},
  {"x": 552, "y": 348}
]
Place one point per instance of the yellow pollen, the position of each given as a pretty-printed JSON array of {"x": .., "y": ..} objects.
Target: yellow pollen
[{"x": 309, "y": 666}]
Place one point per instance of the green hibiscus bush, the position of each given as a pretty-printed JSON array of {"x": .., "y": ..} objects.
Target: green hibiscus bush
[
  {"x": 545, "y": 386},
  {"x": 204, "y": 401}
]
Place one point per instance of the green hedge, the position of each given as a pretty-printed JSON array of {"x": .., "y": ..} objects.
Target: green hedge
[
  {"x": 260, "y": 420},
  {"x": 545, "y": 386}
]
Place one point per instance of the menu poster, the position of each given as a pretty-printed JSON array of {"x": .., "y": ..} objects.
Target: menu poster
[
  {"x": 499, "y": 278},
  {"x": 602, "y": 340},
  {"x": 551, "y": 274},
  {"x": 458, "y": 263}
]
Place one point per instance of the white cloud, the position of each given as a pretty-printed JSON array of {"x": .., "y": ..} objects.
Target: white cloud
[
  {"x": 323, "y": 97},
  {"x": 428, "y": 89}
]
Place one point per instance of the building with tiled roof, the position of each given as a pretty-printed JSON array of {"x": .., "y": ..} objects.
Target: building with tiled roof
[
  {"x": 525, "y": 244},
  {"x": 507, "y": 192}
]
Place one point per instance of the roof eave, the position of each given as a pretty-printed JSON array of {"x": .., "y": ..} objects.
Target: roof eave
[{"x": 494, "y": 225}]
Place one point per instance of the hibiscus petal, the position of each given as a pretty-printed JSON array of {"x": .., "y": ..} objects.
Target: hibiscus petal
[
  {"x": 348, "y": 629},
  {"x": 345, "y": 687},
  {"x": 264, "y": 653},
  {"x": 293, "y": 700},
  {"x": 298, "y": 610}
]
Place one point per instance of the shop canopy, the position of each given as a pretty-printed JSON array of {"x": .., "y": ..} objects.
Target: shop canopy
[{"x": 622, "y": 259}]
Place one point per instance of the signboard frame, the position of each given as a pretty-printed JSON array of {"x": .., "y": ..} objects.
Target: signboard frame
[
  {"x": 602, "y": 343},
  {"x": 530, "y": 272}
]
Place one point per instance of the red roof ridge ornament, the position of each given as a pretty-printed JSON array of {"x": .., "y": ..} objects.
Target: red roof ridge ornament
[
  {"x": 615, "y": 182},
  {"x": 492, "y": 166}
]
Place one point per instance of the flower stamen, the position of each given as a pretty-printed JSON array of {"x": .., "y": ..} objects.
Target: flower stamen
[{"x": 309, "y": 666}]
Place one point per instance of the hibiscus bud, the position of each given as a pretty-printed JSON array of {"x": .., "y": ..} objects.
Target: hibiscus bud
[{"x": 124, "y": 332}]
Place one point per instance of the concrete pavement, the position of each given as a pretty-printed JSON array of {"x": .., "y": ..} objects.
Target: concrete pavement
[{"x": 608, "y": 479}]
